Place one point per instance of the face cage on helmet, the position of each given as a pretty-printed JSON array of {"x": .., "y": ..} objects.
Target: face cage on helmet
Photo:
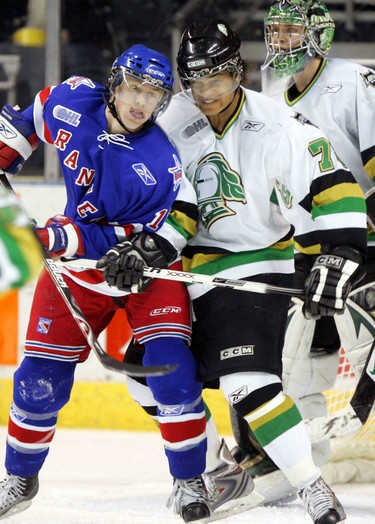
[
  {"x": 290, "y": 60},
  {"x": 118, "y": 77},
  {"x": 234, "y": 66}
]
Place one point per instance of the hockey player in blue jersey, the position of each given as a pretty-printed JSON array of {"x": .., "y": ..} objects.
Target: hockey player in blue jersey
[{"x": 124, "y": 182}]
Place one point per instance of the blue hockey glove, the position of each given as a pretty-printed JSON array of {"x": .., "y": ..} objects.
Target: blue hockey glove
[
  {"x": 18, "y": 140},
  {"x": 61, "y": 237}
]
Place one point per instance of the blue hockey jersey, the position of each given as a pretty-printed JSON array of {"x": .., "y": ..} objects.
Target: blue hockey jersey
[{"x": 115, "y": 184}]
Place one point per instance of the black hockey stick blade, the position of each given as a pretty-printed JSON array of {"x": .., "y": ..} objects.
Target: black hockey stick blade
[
  {"x": 105, "y": 359},
  {"x": 364, "y": 395}
]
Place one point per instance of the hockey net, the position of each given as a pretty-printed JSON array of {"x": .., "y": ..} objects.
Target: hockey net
[{"x": 353, "y": 456}]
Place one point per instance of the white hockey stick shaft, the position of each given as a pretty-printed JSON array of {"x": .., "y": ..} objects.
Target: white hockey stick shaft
[
  {"x": 342, "y": 423},
  {"x": 193, "y": 278}
]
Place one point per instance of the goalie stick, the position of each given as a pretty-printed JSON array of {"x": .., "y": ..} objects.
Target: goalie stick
[
  {"x": 105, "y": 359},
  {"x": 342, "y": 423}
]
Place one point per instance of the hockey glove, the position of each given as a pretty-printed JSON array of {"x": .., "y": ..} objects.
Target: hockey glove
[
  {"x": 123, "y": 264},
  {"x": 329, "y": 283},
  {"x": 61, "y": 237},
  {"x": 18, "y": 140}
]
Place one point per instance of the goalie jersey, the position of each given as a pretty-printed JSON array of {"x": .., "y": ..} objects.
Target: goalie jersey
[
  {"x": 340, "y": 100},
  {"x": 115, "y": 184},
  {"x": 266, "y": 175}
]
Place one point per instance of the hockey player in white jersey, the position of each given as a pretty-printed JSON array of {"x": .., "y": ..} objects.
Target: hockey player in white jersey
[
  {"x": 256, "y": 171},
  {"x": 339, "y": 97}
]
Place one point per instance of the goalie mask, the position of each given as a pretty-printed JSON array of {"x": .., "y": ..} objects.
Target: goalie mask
[
  {"x": 140, "y": 66},
  {"x": 295, "y": 32},
  {"x": 207, "y": 49}
]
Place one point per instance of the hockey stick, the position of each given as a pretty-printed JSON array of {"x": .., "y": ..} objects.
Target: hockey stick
[
  {"x": 105, "y": 359},
  {"x": 194, "y": 278},
  {"x": 344, "y": 422}
]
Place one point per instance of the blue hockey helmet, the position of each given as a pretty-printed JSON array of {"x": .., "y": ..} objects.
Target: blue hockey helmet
[{"x": 148, "y": 66}]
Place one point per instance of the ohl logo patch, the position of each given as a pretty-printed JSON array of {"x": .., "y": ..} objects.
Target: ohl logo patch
[{"x": 43, "y": 325}]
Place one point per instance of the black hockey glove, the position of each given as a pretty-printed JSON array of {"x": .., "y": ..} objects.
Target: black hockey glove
[
  {"x": 329, "y": 283},
  {"x": 123, "y": 264}
]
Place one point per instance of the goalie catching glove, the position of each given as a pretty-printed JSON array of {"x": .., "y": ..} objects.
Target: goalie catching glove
[
  {"x": 329, "y": 283},
  {"x": 123, "y": 264}
]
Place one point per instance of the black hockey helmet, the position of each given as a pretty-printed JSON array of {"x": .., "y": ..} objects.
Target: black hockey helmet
[{"x": 206, "y": 49}]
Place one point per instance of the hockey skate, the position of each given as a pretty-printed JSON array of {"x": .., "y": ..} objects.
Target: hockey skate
[
  {"x": 229, "y": 487},
  {"x": 321, "y": 503},
  {"x": 189, "y": 499},
  {"x": 16, "y": 494}
]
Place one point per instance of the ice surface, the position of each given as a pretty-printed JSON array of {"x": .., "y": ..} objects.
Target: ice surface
[{"x": 118, "y": 477}]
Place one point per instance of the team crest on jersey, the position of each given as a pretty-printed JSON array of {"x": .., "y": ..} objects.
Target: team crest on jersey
[
  {"x": 144, "y": 174},
  {"x": 66, "y": 115},
  {"x": 176, "y": 171},
  {"x": 216, "y": 184},
  {"x": 75, "y": 81},
  {"x": 43, "y": 325},
  {"x": 369, "y": 78},
  {"x": 285, "y": 194},
  {"x": 331, "y": 88},
  {"x": 252, "y": 125}
]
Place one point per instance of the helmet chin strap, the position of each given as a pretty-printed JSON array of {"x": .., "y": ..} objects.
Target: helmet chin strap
[
  {"x": 233, "y": 97},
  {"x": 114, "y": 113}
]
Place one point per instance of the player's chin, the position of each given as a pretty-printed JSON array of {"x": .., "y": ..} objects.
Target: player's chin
[
  {"x": 209, "y": 108},
  {"x": 135, "y": 124}
]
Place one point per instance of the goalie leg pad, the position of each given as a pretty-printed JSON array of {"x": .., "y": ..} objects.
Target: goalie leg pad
[{"x": 357, "y": 332}]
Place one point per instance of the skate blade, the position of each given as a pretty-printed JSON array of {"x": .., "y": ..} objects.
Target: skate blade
[
  {"x": 251, "y": 501},
  {"x": 16, "y": 509}
]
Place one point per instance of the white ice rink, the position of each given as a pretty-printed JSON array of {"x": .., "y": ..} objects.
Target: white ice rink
[{"x": 116, "y": 477}]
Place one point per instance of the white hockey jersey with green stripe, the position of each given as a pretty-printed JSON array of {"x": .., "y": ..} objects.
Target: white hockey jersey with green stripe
[
  {"x": 265, "y": 172},
  {"x": 340, "y": 100}
]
